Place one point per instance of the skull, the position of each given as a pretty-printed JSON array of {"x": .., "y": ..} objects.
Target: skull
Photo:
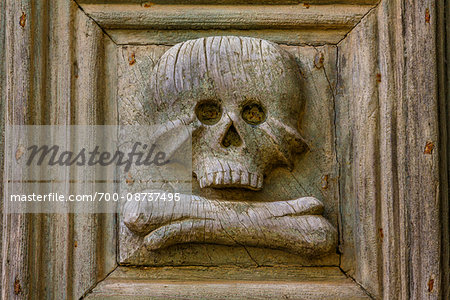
[{"x": 243, "y": 97}]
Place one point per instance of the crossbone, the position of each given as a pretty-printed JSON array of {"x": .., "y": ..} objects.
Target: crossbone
[{"x": 295, "y": 226}]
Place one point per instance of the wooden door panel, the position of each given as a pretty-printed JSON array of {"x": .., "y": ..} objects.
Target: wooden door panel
[{"x": 375, "y": 118}]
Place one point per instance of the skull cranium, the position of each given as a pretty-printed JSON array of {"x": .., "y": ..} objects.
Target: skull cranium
[{"x": 243, "y": 96}]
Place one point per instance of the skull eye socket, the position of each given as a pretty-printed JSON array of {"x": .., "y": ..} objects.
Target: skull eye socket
[
  {"x": 208, "y": 112},
  {"x": 253, "y": 114}
]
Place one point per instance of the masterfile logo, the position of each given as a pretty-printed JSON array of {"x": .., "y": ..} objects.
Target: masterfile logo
[{"x": 106, "y": 165}]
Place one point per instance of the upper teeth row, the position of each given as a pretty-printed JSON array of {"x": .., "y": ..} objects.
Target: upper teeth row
[{"x": 236, "y": 178}]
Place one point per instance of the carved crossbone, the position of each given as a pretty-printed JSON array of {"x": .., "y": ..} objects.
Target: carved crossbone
[{"x": 295, "y": 226}]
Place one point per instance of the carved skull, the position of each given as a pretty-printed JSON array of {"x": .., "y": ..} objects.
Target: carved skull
[{"x": 243, "y": 97}]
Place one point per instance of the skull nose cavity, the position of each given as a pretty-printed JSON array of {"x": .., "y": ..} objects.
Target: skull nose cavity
[{"x": 231, "y": 138}]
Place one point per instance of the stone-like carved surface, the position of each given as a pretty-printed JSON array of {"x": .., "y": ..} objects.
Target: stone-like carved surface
[
  {"x": 295, "y": 226},
  {"x": 243, "y": 99}
]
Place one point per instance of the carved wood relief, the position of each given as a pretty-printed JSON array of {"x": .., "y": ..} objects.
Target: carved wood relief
[{"x": 216, "y": 85}]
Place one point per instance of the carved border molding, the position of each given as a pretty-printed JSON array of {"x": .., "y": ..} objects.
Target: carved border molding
[
  {"x": 54, "y": 73},
  {"x": 169, "y": 24},
  {"x": 135, "y": 16},
  {"x": 392, "y": 149}
]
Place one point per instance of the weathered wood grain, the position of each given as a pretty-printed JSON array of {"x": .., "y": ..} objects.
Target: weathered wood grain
[
  {"x": 54, "y": 63},
  {"x": 229, "y": 283},
  {"x": 2, "y": 118},
  {"x": 388, "y": 149},
  {"x": 420, "y": 201},
  {"x": 92, "y": 235},
  {"x": 168, "y": 24},
  {"x": 133, "y": 16},
  {"x": 16, "y": 91},
  {"x": 311, "y": 36},
  {"x": 357, "y": 113},
  {"x": 277, "y": 273},
  {"x": 443, "y": 48}
]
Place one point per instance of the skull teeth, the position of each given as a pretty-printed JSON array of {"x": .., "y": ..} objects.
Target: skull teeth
[
  {"x": 231, "y": 178},
  {"x": 235, "y": 177}
]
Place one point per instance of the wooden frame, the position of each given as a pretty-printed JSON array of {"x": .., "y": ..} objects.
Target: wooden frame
[{"x": 391, "y": 117}]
